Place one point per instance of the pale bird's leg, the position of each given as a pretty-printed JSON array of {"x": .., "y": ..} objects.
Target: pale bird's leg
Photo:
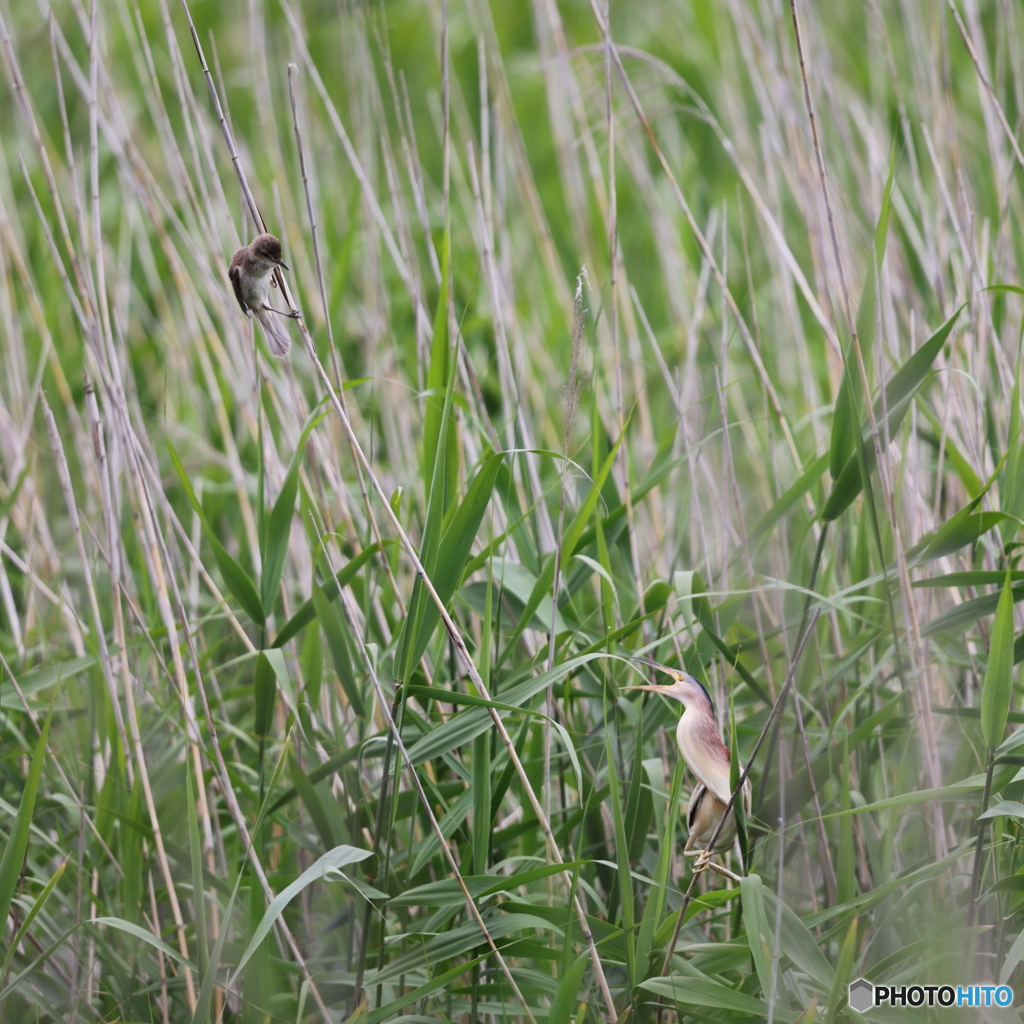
[{"x": 702, "y": 855}]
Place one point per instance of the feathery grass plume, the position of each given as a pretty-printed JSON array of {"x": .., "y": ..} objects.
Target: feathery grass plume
[
  {"x": 579, "y": 370},
  {"x": 578, "y": 377}
]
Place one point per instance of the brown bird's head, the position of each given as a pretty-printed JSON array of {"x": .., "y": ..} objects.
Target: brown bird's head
[
  {"x": 684, "y": 688},
  {"x": 268, "y": 248}
]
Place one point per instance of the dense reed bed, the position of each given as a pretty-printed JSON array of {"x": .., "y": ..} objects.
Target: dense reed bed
[{"x": 686, "y": 330}]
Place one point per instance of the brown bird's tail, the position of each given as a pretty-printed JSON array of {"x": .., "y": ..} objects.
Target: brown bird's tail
[{"x": 277, "y": 336}]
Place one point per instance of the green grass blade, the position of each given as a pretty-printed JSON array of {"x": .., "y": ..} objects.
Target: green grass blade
[
  {"x": 656, "y": 899},
  {"x": 960, "y": 616},
  {"x": 437, "y": 439},
  {"x": 264, "y": 687},
  {"x": 37, "y": 905},
  {"x": 625, "y": 876},
  {"x": 313, "y": 666},
  {"x": 964, "y": 470},
  {"x": 237, "y": 580},
  {"x": 202, "y": 1011},
  {"x": 453, "y": 553},
  {"x": 798, "y": 943},
  {"x": 639, "y": 803},
  {"x": 198, "y": 891},
  {"x": 332, "y": 590},
  {"x": 846, "y": 867},
  {"x": 279, "y": 522},
  {"x": 338, "y": 644},
  {"x": 532, "y": 875},
  {"x": 482, "y": 780},
  {"x": 963, "y": 528},
  {"x": 567, "y": 995},
  {"x": 333, "y": 860},
  {"x": 759, "y": 933},
  {"x": 844, "y": 972},
  {"x": 40, "y": 959},
  {"x": 437, "y": 373},
  {"x": 845, "y": 416},
  {"x": 781, "y": 508},
  {"x": 997, "y": 687},
  {"x": 843, "y": 420},
  {"x": 320, "y": 772},
  {"x": 131, "y": 859},
  {"x": 17, "y": 844},
  {"x": 146, "y": 936},
  {"x": 898, "y": 394},
  {"x": 570, "y": 538},
  {"x": 391, "y": 1009},
  {"x": 463, "y": 727},
  {"x": 311, "y": 799},
  {"x": 709, "y": 994}
]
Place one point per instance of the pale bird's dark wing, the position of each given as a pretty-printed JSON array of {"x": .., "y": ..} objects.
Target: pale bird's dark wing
[
  {"x": 235, "y": 273},
  {"x": 699, "y": 792}
]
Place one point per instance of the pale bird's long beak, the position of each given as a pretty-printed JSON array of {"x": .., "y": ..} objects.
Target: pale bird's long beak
[
  {"x": 645, "y": 686},
  {"x": 653, "y": 664}
]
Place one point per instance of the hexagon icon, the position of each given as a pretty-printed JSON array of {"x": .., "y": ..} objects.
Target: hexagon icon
[{"x": 862, "y": 995}]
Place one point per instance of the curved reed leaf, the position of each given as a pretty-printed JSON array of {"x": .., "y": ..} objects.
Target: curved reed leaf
[
  {"x": 898, "y": 394},
  {"x": 332, "y": 861}
]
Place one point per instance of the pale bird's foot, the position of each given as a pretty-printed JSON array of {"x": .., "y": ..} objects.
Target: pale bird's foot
[
  {"x": 703, "y": 862},
  {"x": 295, "y": 314}
]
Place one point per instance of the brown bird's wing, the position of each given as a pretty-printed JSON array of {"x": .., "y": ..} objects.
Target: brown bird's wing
[
  {"x": 235, "y": 273},
  {"x": 277, "y": 337}
]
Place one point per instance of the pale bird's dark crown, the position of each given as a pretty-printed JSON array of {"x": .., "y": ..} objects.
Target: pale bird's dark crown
[{"x": 704, "y": 691}]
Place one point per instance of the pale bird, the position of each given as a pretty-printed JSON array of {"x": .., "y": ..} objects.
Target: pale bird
[
  {"x": 699, "y": 736},
  {"x": 250, "y": 272}
]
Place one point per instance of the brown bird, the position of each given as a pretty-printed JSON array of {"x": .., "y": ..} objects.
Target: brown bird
[
  {"x": 700, "y": 742},
  {"x": 250, "y": 272}
]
